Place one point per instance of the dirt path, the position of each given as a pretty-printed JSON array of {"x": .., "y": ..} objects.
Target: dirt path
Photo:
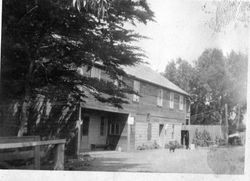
[{"x": 181, "y": 161}]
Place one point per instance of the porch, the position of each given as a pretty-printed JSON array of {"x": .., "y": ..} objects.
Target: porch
[{"x": 102, "y": 130}]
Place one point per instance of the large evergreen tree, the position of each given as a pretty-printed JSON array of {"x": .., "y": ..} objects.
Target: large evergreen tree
[{"x": 44, "y": 42}]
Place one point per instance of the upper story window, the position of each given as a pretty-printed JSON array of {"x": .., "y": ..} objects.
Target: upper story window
[
  {"x": 116, "y": 82},
  {"x": 187, "y": 106},
  {"x": 181, "y": 102},
  {"x": 171, "y": 101},
  {"x": 83, "y": 70},
  {"x": 96, "y": 73},
  {"x": 160, "y": 97},
  {"x": 136, "y": 89}
]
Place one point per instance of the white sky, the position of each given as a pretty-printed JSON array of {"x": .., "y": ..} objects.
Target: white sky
[{"x": 181, "y": 31}]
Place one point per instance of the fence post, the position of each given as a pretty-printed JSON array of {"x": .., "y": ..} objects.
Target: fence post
[
  {"x": 59, "y": 158},
  {"x": 226, "y": 123},
  {"x": 37, "y": 157}
]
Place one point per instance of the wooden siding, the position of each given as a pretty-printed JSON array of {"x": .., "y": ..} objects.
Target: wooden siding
[
  {"x": 166, "y": 136},
  {"x": 147, "y": 104}
]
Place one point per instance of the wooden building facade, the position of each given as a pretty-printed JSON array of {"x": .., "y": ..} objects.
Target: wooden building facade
[{"x": 156, "y": 116}]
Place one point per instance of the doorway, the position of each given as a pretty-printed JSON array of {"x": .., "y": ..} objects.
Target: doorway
[
  {"x": 185, "y": 138},
  {"x": 85, "y": 133},
  {"x": 161, "y": 135}
]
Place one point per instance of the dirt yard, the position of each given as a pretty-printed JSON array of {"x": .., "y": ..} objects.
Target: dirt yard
[
  {"x": 181, "y": 161},
  {"x": 227, "y": 160}
]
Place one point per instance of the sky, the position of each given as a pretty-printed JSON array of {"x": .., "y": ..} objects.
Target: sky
[{"x": 181, "y": 30}]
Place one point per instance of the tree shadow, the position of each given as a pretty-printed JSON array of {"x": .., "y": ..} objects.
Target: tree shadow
[{"x": 114, "y": 164}]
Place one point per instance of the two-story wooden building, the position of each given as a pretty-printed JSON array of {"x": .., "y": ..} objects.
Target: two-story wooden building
[{"x": 155, "y": 116}]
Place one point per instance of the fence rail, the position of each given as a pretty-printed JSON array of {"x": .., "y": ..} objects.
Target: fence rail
[{"x": 22, "y": 142}]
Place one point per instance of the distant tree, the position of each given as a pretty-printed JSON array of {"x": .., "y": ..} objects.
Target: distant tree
[
  {"x": 211, "y": 86},
  {"x": 221, "y": 80},
  {"x": 181, "y": 73},
  {"x": 213, "y": 81}
]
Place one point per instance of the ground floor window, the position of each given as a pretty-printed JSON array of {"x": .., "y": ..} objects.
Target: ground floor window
[
  {"x": 85, "y": 126},
  {"x": 114, "y": 129},
  {"x": 160, "y": 128},
  {"x": 173, "y": 131},
  {"x": 187, "y": 121},
  {"x": 149, "y": 131},
  {"x": 102, "y": 127}
]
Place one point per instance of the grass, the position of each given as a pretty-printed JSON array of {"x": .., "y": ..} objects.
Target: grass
[{"x": 227, "y": 160}]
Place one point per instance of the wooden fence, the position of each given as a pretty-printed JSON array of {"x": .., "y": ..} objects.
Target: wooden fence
[
  {"x": 213, "y": 130},
  {"x": 8, "y": 143}
]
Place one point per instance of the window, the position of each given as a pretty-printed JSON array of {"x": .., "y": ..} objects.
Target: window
[
  {"x": 149, "y": 131},
  {"x": 136, "y": 89},
  {"x": 171, "y": 101},
  {"x": 114, "y": 129},
  {"x": 173, "y": 131},
  {"x": 83, "y": 70},
  {"x": 85, "y": 126},
  {"x": 117, "y": 129},
  {"x": 102, "y": 127},
  {"x": 160, "y": 98},
  {"x": 187, "y": 106},
  {"x": 95, "y": 73},
  {"x": 187, "y": 121},
  {"x": 181, "y": 102},
  {"x": 116, "y": 82},
  {"x": 161, "y": 126}
]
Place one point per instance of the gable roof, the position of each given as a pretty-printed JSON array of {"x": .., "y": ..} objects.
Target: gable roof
[{"x": 143, "y": 72}]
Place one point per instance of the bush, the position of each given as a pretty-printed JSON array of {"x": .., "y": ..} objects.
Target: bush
[
  {"x": 155, "y": 145},
  {"x": 235, "y": 141},
  {"x": 220, "y": 141},
  {"x": 175, "y": 143},
  {"x": 202, "y": 139}
]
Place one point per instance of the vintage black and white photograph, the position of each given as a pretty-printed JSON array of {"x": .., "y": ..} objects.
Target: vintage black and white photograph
[{"x": 142, "y": 86}]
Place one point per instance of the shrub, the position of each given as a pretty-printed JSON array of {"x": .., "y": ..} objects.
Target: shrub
[
  {"x": 155, "y": 145},
  {"x": 202, "y": 138},
  {"x": 171, "y": 143}
]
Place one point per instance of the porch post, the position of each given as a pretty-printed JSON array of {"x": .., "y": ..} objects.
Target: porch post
[
  {"x": 128, "y": 137},
  {"x": 130, "y": 121},
  {"x": 79, "y": 131}
]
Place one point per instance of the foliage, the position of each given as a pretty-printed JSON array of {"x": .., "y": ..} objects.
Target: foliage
[
  {"x": 227, "y": 12},
  {"x": 181, "y": 73},
  {"x": 154, "y": 145},
  {"x": 44, "y": 42},
  {"x": 202, "y": 138},
  {"x": 213, "y": 81},
  {"x": 173, "y": 143}
]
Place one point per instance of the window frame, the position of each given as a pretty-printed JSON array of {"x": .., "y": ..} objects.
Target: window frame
[
  {"x": 95, "y": 73},
  {"x": 149, "y": 132},
  {"x": 136, "y": 88},
  {"x": 171, "y": 100},
  {"x": 160, "y": 98},
  {"x": 102, "y": 127},
  {"x": 115, "y": 126},
  {"x": 181, "y": 102}
]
